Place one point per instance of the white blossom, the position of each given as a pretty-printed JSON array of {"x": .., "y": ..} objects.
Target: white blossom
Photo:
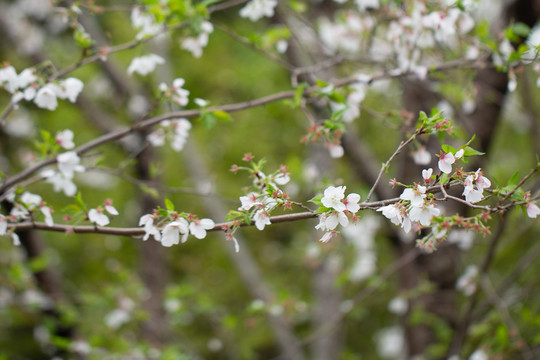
[
  {"x": 145, "y": 64},
  {"x": 422, "y": 156},
  {"x": 65, "y": 139},
  {"x": 147, "y": 221},
  {"x": 261, "y": 218},
  {"x": 467, "y": 282},
  {"x": 333, "y": 197},
  {"x": 416, "y": 196},
  {"x": 393, "y": 213},
  {"x": 60, "y": 182},
  {"x": 336, "y": 151},
  {"x": 145, "y": 23},
  {"x": 198, "y": 227},
  {"x": 171, "y": 233},
  {"x": 532, "y": 210},
  {"x": 69, "y": 88},
  {"x": 69, "y": 163},
  {"x": 256, "y": 9},
  {"x": 97, "y": 217},
  {"x": 46, "y": 97},
  {"x": 398, "y": 306}
]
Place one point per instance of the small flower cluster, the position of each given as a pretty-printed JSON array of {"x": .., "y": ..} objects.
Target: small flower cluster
[
  {"x": 257, "y": 9},
  {"x": 68, "y": 164},
  {"x": 195, "y": 45},
  {"x": 27, "y": 86},
  {"x": 334, "y": 209},
  {"x": 177, "y": 226},
  {"x": 144, "y": 65},
  {"x": 98, "y": 216},
  {"x": 265, "y": 197},
  {"x": 414, "y": 207},
  {"x": 175, "y": 93},
  {"x": 145, "y": 23},
  {"x": 177, "y": 131},
  {"x": 24, "y": 208}
]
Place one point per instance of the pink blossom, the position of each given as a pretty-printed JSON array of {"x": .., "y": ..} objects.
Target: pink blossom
[
  {"x": 532, "y": 210},
  {"x": 445, "y": 162}
]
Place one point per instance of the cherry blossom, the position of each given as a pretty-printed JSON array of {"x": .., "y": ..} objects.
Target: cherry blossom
[
  {"x": 46, "y": 97},
  {"x": 147, "y": 221},
  {"x": 336, "y": 151},
  {"x": 198, "y": 227},
  {"x": 532, "y": 210},
  {"x": 145, "y": 64},
  {"x": 69, "y": 88},
  {"x": 467, "y": 282},
  {"x": 424, "y": 213},
  {"x": 416, "y": 196},
  {"x": 8, "y": 78},
  {"x": 422, "y": 156},
  {"x": 351, "y": 202},
  {"x": 171, "y": 232},
  {"x": 145, "y": 23},
  {"x": 68, "y": 164},
  {"x": 249, "y": 200},
  {"x": 261, "y": 218},
  {"x": 256, "y": 9},
  {"x": 3, "y": 225},
  {"x": 97, "y": 217},
  {"x": 195, "y": 45},
  {"x": 60, "y": 182},
  {"x": 180, "y": 95},
  {"x": 329, "y": 221},
  {"x": 363, "y": 5},
  {"x": 328, "y": 236},
  {"x": 181, "y": 133},
  {"x": 472, "y": 194},
  {"x": 393, "y": 213},
  {"x": 65, "y": 139},
  {"x": 445, "y": 162},
  {"x": 426, "y": 174},
  {"x": 333, "y": 197}
]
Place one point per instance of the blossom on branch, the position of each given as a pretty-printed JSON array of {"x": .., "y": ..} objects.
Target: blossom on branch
[
  {"x": 257, "y": 9},
  {"x": 144, "y": 65},
  {"x": 171, "y": 233}
]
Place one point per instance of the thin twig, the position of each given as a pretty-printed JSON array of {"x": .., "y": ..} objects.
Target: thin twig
[{"x": 401, "y": 146}]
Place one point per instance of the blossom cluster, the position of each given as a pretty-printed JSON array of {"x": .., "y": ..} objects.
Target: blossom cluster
[
  {"x": 26, "y": 86},
  {"x": 195, "y": 45},
  {"x": 260, "y": 203},
  {"x": 68, "y": 164},
  {"x": 174, "y": 231},
  {"x": 98, "y": 216},
  {"x": 24, "y": 207},
  {"x": 177, "y": 131},
  {"x": 257, "y": 9},
  {"x": 337, "y": 209}
]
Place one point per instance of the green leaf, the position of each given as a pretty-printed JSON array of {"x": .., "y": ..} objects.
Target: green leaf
[
  {"x": 448, "y": 149},
  {"x": 514, "y": 180},
  {"x": 169, "y": 204},
  {"x": 82, "y": 38},
  {"x": 209, "y": 119},
  {"x": 321, "y": 210},
  {"x": 521, "y": 29},
  {"x": 316, "y": 200},
  {"x": 222, "y": 115},
  {"x": 469, "y": 151}
]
